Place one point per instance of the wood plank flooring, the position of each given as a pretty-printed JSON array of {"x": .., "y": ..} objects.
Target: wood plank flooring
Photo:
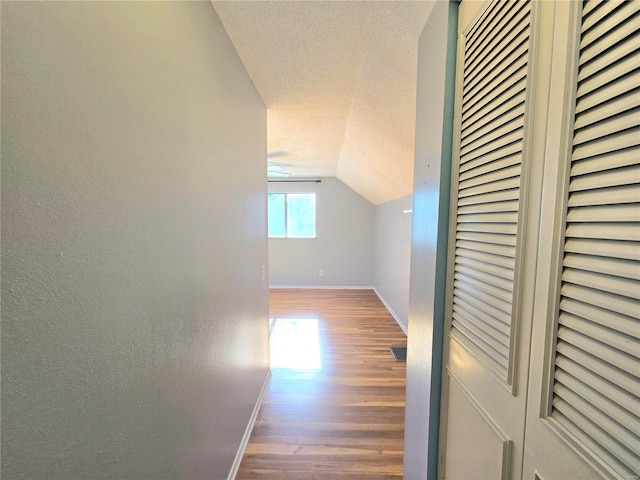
[{"x": 342, "y": 417}]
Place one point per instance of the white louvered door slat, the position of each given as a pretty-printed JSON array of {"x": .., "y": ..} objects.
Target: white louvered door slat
[
  {"x": 578, "y": 406},
  {"x": 488, "y": 185},
  {"x": 610, "y": 178},
  {"x": 619, "y": 322},
  {"x": 509, "y": 151},
  {"x": 619, "y": 122},
  {"x": 622, "y": 103},
  {"x": 508, "y": 111},
  {"x": 605, "y": 42},
  {"x": 500, "y": 43},
  {"x": 487, "y": 248},
  {"x": 606, "y": 231},
  {"x": 606, "y": 266},
  {"x": 485, "y": 263},
  {"x": 475, "y": 214},
  {"x": 508, "y": 183},
  {"x": 619, "y": 195},
  {"x": 574, "y": 357},
  {"x": 615, "y": 74},
  {"x": 616, "y": 14},
  {"x": 512, "y": 159},
  {"x": 491, "y": 176},
  {"x": 596, "y": 380},
  {"x": 492, "y": 86},
  {"x": 596, "y": 16},
  {"x": 604, "y": 213},
  {"x": 507, "y": 53},
  {"x": 620, "y": 305},
  {"x": 486, "y": 286},
  {"x": 488, "y": 227},
  {"x": 608, "y": 58},
  {"x": 619, "y": 341},
  {"x": 621, "y": 158},
  {"x": 608, "y": 389},
  {"x": 484, "y": 100},
  {"x": 620, "y": 86},
  {"x": 495, "y": 23},
  {"x": 500, "y": 329},
  {"x": 602, "y": 248},
  {"x": 615, "y": 284},
  {"x": 513, "y": 42}
]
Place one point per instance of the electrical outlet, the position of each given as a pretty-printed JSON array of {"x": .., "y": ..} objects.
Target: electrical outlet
[{"x": 321, "y": 273}]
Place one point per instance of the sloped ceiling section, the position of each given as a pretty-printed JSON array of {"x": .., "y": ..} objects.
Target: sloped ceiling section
[{"x": 339, "y": 82}]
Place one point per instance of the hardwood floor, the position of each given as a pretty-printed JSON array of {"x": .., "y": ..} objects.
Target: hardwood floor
[{"x": 341, "y": 417}]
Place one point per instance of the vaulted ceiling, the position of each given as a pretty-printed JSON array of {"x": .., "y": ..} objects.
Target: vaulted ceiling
[{"x": 339, "y": 82}]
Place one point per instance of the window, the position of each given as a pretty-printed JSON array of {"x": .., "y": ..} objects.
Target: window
[{"x": 292, "y": 215}]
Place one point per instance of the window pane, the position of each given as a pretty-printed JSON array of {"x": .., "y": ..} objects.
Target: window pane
[
  {"x": 301, "y": 215},
  {"x": 276, "y": 214}
]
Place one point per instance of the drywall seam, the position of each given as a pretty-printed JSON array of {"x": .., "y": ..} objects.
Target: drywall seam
[
  {"x": 393, "y": 314},
  {"x": 247, "y": 433}
]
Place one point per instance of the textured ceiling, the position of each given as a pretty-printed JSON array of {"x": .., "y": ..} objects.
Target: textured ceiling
[{"x": 338, "y": 79}]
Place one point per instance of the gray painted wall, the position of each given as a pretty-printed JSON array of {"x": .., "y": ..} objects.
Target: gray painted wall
[
  {"x": 432, "y": 172},
  {"x": 343, "y": 247},
  {"x": 393, "y": 255},
  {"x": 134, "y": 320}
]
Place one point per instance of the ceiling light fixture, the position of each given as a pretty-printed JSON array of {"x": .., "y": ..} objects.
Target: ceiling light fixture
[{"x": 276, "y": 170}]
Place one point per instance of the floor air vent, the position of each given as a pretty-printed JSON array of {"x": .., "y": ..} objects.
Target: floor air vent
[{"x": 399, "y": 353}]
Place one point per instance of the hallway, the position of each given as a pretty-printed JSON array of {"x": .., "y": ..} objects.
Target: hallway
[{"x": 342, "y": 415}]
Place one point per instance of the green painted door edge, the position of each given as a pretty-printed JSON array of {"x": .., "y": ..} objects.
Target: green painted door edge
[{"x": 442, "y": 239}]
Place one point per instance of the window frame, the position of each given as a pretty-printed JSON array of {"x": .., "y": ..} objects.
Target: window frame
[{"x": 286, "y": 216}]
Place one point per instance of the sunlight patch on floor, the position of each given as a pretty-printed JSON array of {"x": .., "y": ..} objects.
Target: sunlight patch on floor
[{"x": 295, "y": 344}]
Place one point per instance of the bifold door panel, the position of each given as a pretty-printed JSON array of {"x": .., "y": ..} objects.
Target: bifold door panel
[{"x": 542, "y": 347}]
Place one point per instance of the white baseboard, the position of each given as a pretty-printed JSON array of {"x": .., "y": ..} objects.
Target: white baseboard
[
  {"x": 393, "y": 314},
  {"x": 325, "y": 287},
  {"x": 247, "y": 433}
]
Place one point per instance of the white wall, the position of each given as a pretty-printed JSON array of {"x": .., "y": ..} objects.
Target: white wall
[
  {"x": 343, "y": 247},
  {"x": 393, "y": 255},
  {"x": 134, "y": 321},
  {"x": 434, "y": 122}
]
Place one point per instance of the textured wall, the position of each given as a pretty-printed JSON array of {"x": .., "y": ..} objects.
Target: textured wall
[
  {"x": 434, "y": 123},
  {"x": 393, "y": 255},
  {"x": 344, "y": 244},
  {"x": 134, "y": 320}
]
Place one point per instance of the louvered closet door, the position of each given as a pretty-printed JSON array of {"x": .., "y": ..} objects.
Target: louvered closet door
[
  {"x": 484, "y": 414},
  {"x": 591, "y": 404},
  {"x": 489, "y": 184}
]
